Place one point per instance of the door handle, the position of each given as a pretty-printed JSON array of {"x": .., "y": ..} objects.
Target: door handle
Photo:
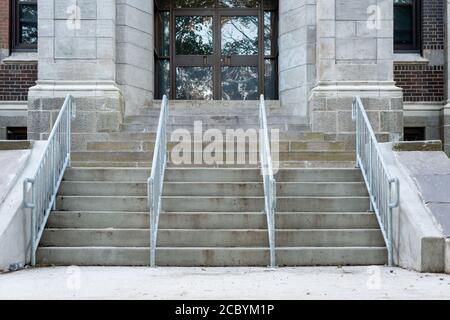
[{"x": 205, "y": 60}]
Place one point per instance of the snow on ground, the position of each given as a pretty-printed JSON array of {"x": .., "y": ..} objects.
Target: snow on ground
[{"x": 223, "y": 283}]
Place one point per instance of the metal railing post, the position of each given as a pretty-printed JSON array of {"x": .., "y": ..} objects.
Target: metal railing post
[
  {"x": 155, "y": 182},
  {"x": 376, "y": 176},
  {"x": 48, "y": 176}
]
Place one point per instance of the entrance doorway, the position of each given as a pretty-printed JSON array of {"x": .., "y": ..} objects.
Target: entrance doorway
[{"x": 216, "y": 49}]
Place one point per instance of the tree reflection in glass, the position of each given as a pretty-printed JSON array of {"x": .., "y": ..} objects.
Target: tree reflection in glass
[
  {"x": 28, "y": 24},
  {"x": 193, "y": 35},
  {"x": 239, "y": 3},
  {"x": 194, "y": 3},
  {"x": 194, "y": 83},
  {"x": 239, "y": 83},
  {"x": 240, "y": 35}
]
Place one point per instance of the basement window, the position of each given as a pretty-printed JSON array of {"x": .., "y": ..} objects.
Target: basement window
[
  {"x": 414, "y": 134},
  {"x": 407, "y": 25},
  {"x": 16, "y": 133}
]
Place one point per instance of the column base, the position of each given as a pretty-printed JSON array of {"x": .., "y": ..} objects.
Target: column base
[
  {"x": 331, "y": 107},
  {"x": 99, "y": 106}
]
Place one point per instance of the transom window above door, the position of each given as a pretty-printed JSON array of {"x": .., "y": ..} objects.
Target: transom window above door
[{"x": 216, "y": 49}]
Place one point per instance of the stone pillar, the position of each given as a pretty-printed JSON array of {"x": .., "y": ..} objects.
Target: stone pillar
[
  {"x": 297, "y": 44},
  {"x": 76, "y": 55},
  {"x": 135, "y": 57},
  {"x": 355, "y": 57},
  {"x": 445, "y": 117}
]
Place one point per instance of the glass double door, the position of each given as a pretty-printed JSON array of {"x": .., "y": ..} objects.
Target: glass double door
[{"x": 217, "y": 54}]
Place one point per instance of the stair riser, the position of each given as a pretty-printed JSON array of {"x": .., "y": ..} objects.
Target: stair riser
[
  {"x": 150, "y": 146},
  {"x": 206, "y": 126},
  {"x": 210, "y": 238},
  {"x": 185, "y": 257},
  {"x": 215, "y": 175},
  {"x": 101, "y": 220},
  {"x": 250, "y": 189},
  {"x": 208, "y": 158}
]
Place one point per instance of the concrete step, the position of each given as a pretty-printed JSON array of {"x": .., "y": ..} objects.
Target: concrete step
[
  {"x": 213, "y": 204},
  {"x": 282, "y": 164},
  {"x": 213, "y": 220},
  {"x": 210, "y": 126},
  {"x": 213, "y": 257},
  {"x": 138, "y": 146},
  {"x": 101, "y": 188},
  {"x": 214, "y": 175},
  {"x": 215, "y": 119},
  {"x": 227, "y": 157},
  {"x": 211, "y": 238}
]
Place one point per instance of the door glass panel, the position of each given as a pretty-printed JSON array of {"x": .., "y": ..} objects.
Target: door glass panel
[
  {"x": 164, "y": 26},
  {"x": 239, "y": 35},
  {"x": 270, "y": 75},
  {"x": 239, "y": 3},
  {"x": 194, "y": 83},
  {"x": 269, "y": 21},
  {"x": 193, "y": 35},
  {"x": 164, "y": 77},
  {"x": 194, "y": 3},
  {"x": 28, "y": 28},
  {"x": 239, "y": 83}
]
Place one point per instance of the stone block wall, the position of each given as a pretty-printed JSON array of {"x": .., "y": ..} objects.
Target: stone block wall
[{"x": 355, "y": 58}]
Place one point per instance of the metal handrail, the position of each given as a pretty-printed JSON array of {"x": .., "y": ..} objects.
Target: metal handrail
[
  {"x": 43, "y": 187},
  {"x": 383, "y": 196},
  {"x": 156, "y": 180},
  {"x": 265, "y": 158}
]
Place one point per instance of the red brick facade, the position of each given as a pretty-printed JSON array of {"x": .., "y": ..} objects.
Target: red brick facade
[
  {"x": 425, "y": 82},
  {"x": 15, "y": 80},
  {"x": 4, "y": 24}
]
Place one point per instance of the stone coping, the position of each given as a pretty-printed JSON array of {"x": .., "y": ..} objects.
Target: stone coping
[
  {"x": 430, "y": 145},
  {"x": 15, "y": 145}
]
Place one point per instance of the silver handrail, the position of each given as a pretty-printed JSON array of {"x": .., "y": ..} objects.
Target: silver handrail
[
  {"x": 265, "y": 158},
  {"x": 43, "y": 187},
  {"x": 156, "y": 180},
  {"x": 383, "y": 196}
]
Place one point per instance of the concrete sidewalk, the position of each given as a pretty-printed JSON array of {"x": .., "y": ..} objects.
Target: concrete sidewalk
[{"x": 223, "y": 283}]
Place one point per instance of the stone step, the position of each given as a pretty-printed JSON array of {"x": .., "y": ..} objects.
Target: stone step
[
  {"x": 244, "y": 189},
  {"x": 213, "y": 220},
  {"x": 213, "y": 257},
  {"x": 211, "y": 238},
  {"x": 213, "y": 204},
  {"x": 229, "y": 157},
  {"x": 147, "y": 165},
  {"x": 213, "y": 175},
  {"x": 215, "y": 119},
  {"x": 139, "y": 127},
  {"x": 136, "y": 146}
]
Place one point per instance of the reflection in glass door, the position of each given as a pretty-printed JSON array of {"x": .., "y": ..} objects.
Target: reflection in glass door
[
  {"x": 193, "y": 57},
  {"x": 239, "y": 57},
  {"x": 216, "y": 49}
]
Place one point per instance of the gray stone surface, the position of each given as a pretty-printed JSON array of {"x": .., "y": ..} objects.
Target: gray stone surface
[
  {"x": 431, "y": 173},
  {"x": 12, "y": 163}
]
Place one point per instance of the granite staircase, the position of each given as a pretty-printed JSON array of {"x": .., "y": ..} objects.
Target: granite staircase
[{"x": 212, "y": 215}]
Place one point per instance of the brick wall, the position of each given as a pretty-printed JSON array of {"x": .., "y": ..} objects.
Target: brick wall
[
  {"x": 15, "y": 80},
  {"x": 433, "y": 34},
  {"x": 420, "y": 82},
  {"x": 425, "y": 82},
  {"x": 4, "y": 24}
]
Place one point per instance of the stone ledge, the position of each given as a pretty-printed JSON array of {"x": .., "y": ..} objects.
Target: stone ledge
[
  {"x": 431, "y": 145},
  {"x": 15, "y": 145}
]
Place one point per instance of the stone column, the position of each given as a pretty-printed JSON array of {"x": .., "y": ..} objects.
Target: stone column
[
  {"x": 76, "y": 55},
  {"x": 297, "y": 44},
  {"x": 355, "y": 57},
  {"x": 445, "y": 118}
]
